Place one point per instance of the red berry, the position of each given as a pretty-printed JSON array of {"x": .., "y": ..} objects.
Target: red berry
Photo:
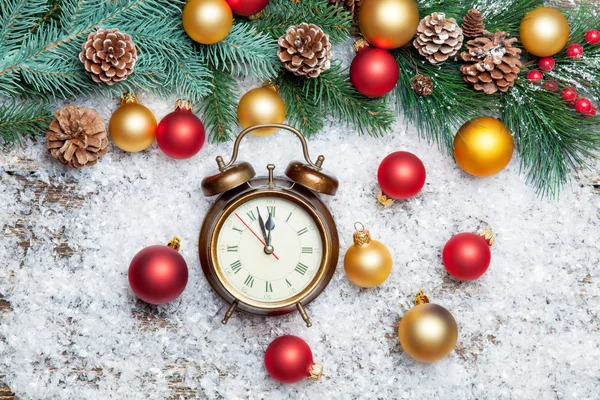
[
  {"x": 568, "y": 94},
  {"x": 592, "y": 37},
  {"x": 591, "y": 113},
  {"x": 583, "y": 106},
  {"x": 575, "y": 51},
  {"x": 551, "y": 86},
  {"x": 546, "y": 63},
  {"x": 535, "y": 76}
]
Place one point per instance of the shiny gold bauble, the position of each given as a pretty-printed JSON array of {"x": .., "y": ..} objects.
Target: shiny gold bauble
[
  {"x": 207, "y": 21},
  {"x": 132, "y": 126},
  {"x": 544, "y": 31},
  {"x": 483, "y": 146},
  {"x": 388, "y": 24},
  {"x": 261, "y": 106},
  {"x": 428, "y": 332},
  {"x": 368, "y": 263}
]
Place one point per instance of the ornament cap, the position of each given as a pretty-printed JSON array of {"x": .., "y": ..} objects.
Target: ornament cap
[
  {"x": 316, "y": 372},
  {"x": 183, "y": 104},
  {"x": 271, "y": 86},
  {"x": 175, "y": 243},
  {"x": 361, "y": 235},
  {"x": 421, "y": 298},
  {"x": 488, "y": 236},
  {"x": 384, "y": 200},
  {"x": 360, "y": 44},
  {"x": 129, "y": 98}
]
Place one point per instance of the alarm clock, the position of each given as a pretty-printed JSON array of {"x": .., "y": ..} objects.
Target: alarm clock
[{"x": 269, "y": 245}]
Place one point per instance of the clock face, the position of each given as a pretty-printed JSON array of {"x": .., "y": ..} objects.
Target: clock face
[{"x": 271, "y": 265}]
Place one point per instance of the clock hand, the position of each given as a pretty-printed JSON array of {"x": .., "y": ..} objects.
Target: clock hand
[
  {"x": 270, "y": 225},
  {"x": 262, "y": 226},
  {"x": 255, "y": 235}
]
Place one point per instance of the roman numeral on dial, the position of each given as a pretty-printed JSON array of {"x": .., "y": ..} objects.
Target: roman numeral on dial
[
  {"x": 301, "y": 268},
  {"x": 233, "y": 249},
  {"x": 268, "y": 287},
  {"x": 306, "y": 250},
  {"x": 249, "y": 281},
  {"x": 251, "y": 215},
  {"x": 302, "y": 231},
  {"x": 237, "y": 229},
  {"x": 271, "y": 210},
  {"x": 236, "y": 266},
  {"x": 288, "y": 283}
]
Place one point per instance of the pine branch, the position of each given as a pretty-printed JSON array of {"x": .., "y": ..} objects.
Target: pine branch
[
  {"x": 281, "y": 14},
  {"x": 219, "y": 107},
  {"x": 303, "y": 112},
  {"x": 553, "y": 139},
  {"x": 22, "y": 119},
  {"x": 17, "y": 17}
]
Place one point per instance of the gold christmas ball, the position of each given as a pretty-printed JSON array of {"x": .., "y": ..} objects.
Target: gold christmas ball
[
  {"x": 544, "y": 31},
  {"x": 483, "y": 146},
  {"x": 207, "y": 21},
  {"x": 367, "y": 263},
  {"x": 428, "y": 332},
  {"x": 261, "y": 106},
  {"x": 388, "y": 24},
  {"x": 132, "y": 126}
]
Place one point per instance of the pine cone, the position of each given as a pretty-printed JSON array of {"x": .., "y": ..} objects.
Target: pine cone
[
  {"x": 77, "y": 136},
  {"x": 494, "y": 62},
  {"x": 472, "y": 24},
  {"x": 351, "y": 6},
  {"x": 422, "y": 85},
  {"x": 438, "y": 38},
  {"x": 305, "y": 50},
  {"x": 109, "y": 55}
]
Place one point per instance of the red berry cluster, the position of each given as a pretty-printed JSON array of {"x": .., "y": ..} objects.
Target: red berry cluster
[{"x": 582, "y": 105}]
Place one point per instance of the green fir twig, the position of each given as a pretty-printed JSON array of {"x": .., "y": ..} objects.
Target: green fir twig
[
  {"x": 22, "y": 119},
  {"x": 219, "y": 107}
]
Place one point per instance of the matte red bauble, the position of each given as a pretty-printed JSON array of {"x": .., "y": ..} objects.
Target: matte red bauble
[
  {"x": 374, "y": 72},
  {"x": 401, "y": 175},
  {"x": 546, "y": 63},
  {"x": 568, "y": 94},
  {"x": 288, "y": 359},
  {"x": 575, "y": 51},
  {"x": 583, "y": 106},
  {"x": 466, "y": 256},
  {"x": 180, "y": 134},
  {"x": 158, "y": 274},
  {"x": 247, "y": 8},
  {"x": 535, "y": 76},
  {"x": 592, "y": 37}
]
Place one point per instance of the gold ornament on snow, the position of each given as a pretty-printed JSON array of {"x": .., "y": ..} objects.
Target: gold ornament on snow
[
  {"x": 207, "y": 21},
  {"x": 427, "y": 332},
  {"x": 109, "y": 55},
  {"x": 305, "y": 50},
  {"x": 261, "y": 106},
  {"x": 132, "y": 126},
  {"x": 544, "y": 31},
  {"x": 388, "y": 24},
  {"x": 77, "y": 136},
  {"x": 438, "y": 38},
  {"x": 367, "y": 262}
]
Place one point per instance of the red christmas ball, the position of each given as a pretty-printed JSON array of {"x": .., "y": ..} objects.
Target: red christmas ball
[
  {"x": 466, "y": 256},
  {"x": 583, "y": 106},
  {"x": 247, "y": 8},
  {"x": 591, "y": 113},
  {"x": 401, "y": 175},
  {"x": 575, "y": 51},
  {"x": 288, "y": 359},
  {"x": 568, "y": 94},
  {"x": 535, "y": 76},
  {"x": 592, "y": 37},
  {"x": 374, "y": 72},
  {"x": 180, "y": 134},
  {"x": 551, "y": 86},
  {"x": 158, "y": 274},
  {"x": 546, "y": 63}
]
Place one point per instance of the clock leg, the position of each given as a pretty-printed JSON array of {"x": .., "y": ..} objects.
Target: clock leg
[
  {"x": 304, "y": 315},
  {"x": 229, "y": 312}
]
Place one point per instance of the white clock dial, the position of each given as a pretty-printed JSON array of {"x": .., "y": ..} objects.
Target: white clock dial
[{"x": 296, "y": 249}]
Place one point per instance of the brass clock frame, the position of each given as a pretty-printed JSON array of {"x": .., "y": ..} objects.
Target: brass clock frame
[{"x": 237, "y": 185}]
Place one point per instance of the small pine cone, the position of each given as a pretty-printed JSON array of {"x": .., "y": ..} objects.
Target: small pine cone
[
  {"x": 422, "y": 85},
  {"x": 492, "y": 62},
  {"x": 109, "y": 55},
  {"x": 472, "y": 24},
  {"x": 351, "y": 6},
  {"x": 305, "y": 50},
  {"x": 77, "y": 136},
  {"x": 438, "y": 38}
]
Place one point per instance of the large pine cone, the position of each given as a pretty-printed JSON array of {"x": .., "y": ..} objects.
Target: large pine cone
[
  {"x": 109, "y": 55},
  {"x": 305, "y": 50},
  {"x": 77, "y": 136},
  {"x": 494, "y": 62},
  {"x": 438, "y": 38}
]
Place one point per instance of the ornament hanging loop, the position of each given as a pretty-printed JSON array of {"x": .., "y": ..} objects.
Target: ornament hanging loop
[
  {"x": 316, "y": 165},
  {"x": 361, "y": 235},
  {"x": 421, "y": 298},
  {"x": 175, "y": 243}
]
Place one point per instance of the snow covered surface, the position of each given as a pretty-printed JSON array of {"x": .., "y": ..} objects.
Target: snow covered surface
[{"x": 528, "y": 329}]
